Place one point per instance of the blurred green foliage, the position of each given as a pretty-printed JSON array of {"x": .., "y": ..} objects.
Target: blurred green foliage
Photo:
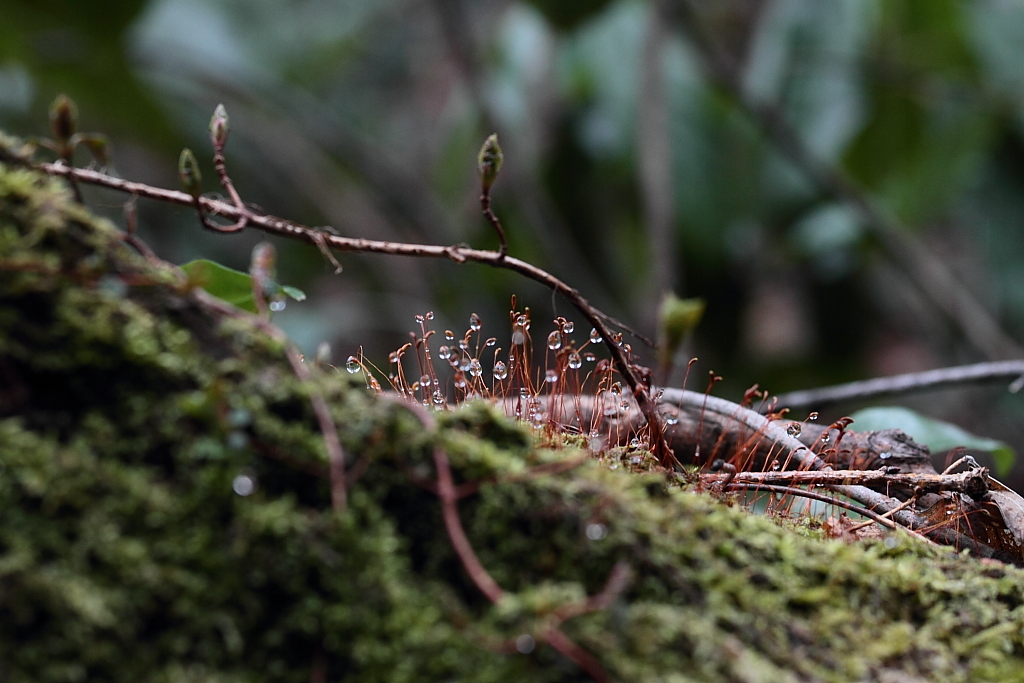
[{"x": 368, "y": 116}]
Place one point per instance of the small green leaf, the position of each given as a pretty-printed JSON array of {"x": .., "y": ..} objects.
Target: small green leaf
[
  {"x": 233, "y": 286},
  {"x": 939, "y": 436},
  {"x": 294, "y": 292}
]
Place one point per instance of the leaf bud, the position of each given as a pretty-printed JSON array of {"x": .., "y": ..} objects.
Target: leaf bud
[
  {"x": 188, "y": 172},
  {"x": 219, "y": 127},
  {"x": 489, "y": 162},
  {"x": 63, "y": 118},
  {"x": 676, "y": 318}
]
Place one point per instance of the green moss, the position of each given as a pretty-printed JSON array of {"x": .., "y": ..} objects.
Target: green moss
[{"x": 127, "y": 411}]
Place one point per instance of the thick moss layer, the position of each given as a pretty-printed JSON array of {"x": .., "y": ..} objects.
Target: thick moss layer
[{"x": 127, "y": 411}]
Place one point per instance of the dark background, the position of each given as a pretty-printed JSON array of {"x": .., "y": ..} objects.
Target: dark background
[{"x": 649, "y": 146}]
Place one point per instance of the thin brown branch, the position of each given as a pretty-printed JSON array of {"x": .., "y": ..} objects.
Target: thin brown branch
[
  {"x": 831, "y": 500},
  {"x": 485, "y": 206},
  {"x": 973, "y": 482},
  {"x": 459, "y": 254},
  {"x": 1011, "y": 370},
  {"x": 801, "y": 457}
]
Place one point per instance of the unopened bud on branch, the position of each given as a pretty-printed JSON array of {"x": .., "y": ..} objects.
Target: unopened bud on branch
[
  {"x": 676, "y": 318},
  {"x": 219, "y": 127},
  {"x": 489, "y": 162},
  {"x": 188, "y": 172},
  {"x": 63, "y": 118}
]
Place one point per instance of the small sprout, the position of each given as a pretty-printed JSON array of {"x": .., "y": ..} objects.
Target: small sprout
[
  {"x": 63, "y": 118},
  {"x": 98, "y": 146},
  {"x": 489, "y": 162},
  {"x": 219, "y": 127},
  {"x": 676, "y": 318},
  {"x": 188, "y": 173}
]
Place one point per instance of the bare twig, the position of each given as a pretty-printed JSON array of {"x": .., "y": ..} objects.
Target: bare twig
[
  {"x": 904, "y": 384},
  {"x": 485, "y": 205},
  {"x": 972, "y": 482},
  {"x": 459, "y": 254},
  {"x": 831, "y": 500},
  {"x": 789, "y": 448}
]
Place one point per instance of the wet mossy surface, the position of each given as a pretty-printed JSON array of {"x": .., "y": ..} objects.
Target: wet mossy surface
[{"x": 128, "y": 410}]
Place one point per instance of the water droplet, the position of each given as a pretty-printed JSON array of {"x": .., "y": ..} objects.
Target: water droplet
[
  {"x": 596, "y": 532},
  {"x": 672, "y": 420},
  {"x": 475, "y": 369},
  {"x": 429, "y": 315},
  {"x": 243, "y": 485},
  {"x": 524, "y": 392},
  {"x": 616, "y": 389},
  {"x": 438, "y": 398},
  {"x": 634, "y": 442},
  {"x": 794, "y": 429},
  {"x": 374, "y": 384},
  {"x": 277, "y": 306},
  {"x": 444, "y": 353},
  {"x": 555, "y": 340},
  {"x": 595, "y": 336},
  {"x": 352, "y": 365},
  {"x": 884, "y": 456},
  {"x": 550, "y": 376},
  {"x": 589, "y": 357},
  {"x": 568, "y": 326},
  {"x": 575, "y": 362},
  {"x": 825, "y": 437},
  {"x": 890, "y": 542},
  {"x": 424, "y": 380},
  {"x": 449, "y": 335},
  {"x": 812, "y": 417},
  {"x": 949, "y": 512},
  {"x": 393, "y": 357},
  {"x": 500, "y": 371},
  {"x": 491, "y": 342},
  {"x": 525, "y": 644},
  {"x": 627, "y": 348},
  {"x": 464, "y": 344},
  {"x": 474, "y": 323},
  {"x": 460, "y": 381},
  {"x": 419, "y": 319},
  {"x": 518, "y": 338}
]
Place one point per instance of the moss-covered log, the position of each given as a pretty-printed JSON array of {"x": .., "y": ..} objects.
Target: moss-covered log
[{"x": 133, "y": 416}]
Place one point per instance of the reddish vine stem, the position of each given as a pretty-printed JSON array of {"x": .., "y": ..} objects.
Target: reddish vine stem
[
  {"x": 459, "y": 254},
  {"x": 484, "y": 582}
]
